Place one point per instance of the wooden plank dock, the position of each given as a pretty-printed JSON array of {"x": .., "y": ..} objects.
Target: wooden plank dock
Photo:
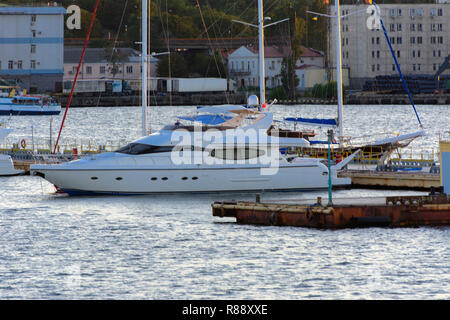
[
  {"x": 409, "y": 211},
  {"x": 391, "y": 180}
]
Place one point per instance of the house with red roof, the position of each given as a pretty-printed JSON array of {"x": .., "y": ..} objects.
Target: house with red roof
[{"x": 243, "y": 64}]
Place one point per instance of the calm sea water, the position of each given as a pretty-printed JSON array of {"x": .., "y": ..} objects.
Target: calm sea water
[{"x": 170, "y": 246}]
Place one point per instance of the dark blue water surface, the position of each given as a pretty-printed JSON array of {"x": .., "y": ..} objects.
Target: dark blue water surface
[{"x": 171, "y": 247}]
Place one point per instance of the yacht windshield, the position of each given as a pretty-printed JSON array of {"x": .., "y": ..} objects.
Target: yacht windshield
[{"x": 141, "y": 148}]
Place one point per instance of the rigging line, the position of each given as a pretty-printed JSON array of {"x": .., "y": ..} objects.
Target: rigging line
[
  {"x": 227, "y": 12},
  {"x": 169, "y": 61},
  {"x": 396, "y": 63},
  {"x": 114, "y": 44},
  {"x": 210, "y": 43},
  {"x": 166, "y": 36},
  {"x": 78, "y": 72}
]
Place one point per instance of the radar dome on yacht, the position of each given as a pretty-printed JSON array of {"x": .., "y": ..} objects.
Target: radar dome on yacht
[{"x": 253, "y": 101}]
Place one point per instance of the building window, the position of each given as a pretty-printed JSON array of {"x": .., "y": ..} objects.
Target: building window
[
  {"x": 89, "y": 70},
  {"x": 33, "y": 48},
  {"x": 413, "y": 53},
  {"x": 399, "y": 27},
  {"x": 433, "y": 40},
  {"x": 392, "y": 27},
  {"x": 440, "y": 40},
  {"x": 10, "y": 64},
  {"x": 33, "y": 19},
  {"x": 392, "y": 39},
  {"x": 434, "y": 66},
  {"x": 412, "y": 13},
  {"x": 102, "y": 69},
  {"x": 418, "y": 67},
  {"x": 393, "y": 67},
  {"x": 432, "y": 11},
  {"x": 378, "y": 54},
  {"x": 439, "y": 53},
  {"x": 129, "y": 69},
  {"x": 378, "y": 67},
  {"x": 412, "y": 27},
  {"x": 418, "y": 53},
  {"x": 419, "y": 40},
  {"x": 373, "y": 68},
  {"x": 378, "y": 40},
  {"x": 33, "y": 64},
  {"x": 412, "y": 40},
  {"x": 399, "y": 12},
  {"x": 19, "y": 64},
  {"x": 398, "y": 54},
  {"x": 439, "y": 27},
  {"x": 439, "y": 12},
  {"x": 399, "y": 40},
  {"x": 433, "y": 27},
  {"x": 419, "y": 27},
  {"x": 414, "y": 67},
  {"x": 33, "y": 33}
]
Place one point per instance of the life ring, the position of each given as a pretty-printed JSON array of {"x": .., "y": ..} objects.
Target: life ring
[{"x": 23, "y": 143}]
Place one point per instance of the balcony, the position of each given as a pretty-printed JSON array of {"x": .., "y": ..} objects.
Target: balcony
[{"x": 239, "y": 72}]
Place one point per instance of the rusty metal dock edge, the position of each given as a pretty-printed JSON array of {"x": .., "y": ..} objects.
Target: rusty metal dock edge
[{"x": 413, "y": 211}]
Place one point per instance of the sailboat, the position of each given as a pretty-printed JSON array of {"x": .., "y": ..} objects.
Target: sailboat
[
  {"x": 233, "y": 154},
  {"x": 378, "y": 149}
]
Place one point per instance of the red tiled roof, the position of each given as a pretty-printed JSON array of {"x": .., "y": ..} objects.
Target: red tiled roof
[{"x": 283, "y": 51}]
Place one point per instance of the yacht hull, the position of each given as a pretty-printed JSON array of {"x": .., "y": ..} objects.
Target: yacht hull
[{"x": 196, "y": 180}]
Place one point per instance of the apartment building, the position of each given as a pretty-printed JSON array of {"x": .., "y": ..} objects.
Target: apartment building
[
  {"x": 419, "y": 35},
  {"x": 31, "y": 46}
]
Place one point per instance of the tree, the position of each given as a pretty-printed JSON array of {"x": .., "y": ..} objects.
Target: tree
[
  {"x": 289, "y": 79},
  {"x": 177, "y": 65},
  {"x": 115, "y": 59}
]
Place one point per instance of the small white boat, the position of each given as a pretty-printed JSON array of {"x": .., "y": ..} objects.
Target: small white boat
[{"x": 6, "y": 163}]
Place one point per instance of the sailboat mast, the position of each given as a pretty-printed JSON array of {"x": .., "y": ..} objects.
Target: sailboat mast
[
  {"x": 262, "y": 86},
  {"x": 144, "y": 56},
  {"x": 340, "y": 99}
]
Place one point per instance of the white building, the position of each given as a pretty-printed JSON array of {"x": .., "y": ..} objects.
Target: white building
[
  {"x": 243, "y": 64},
  {"x": 97, "y": 64},
  {"x": 31, "y": 46},
  {"x": 310, "y": 75},
  {"x": 419, "y": 34}
]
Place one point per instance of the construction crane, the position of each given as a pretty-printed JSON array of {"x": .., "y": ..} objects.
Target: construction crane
[{"x": 437, "y": 76}]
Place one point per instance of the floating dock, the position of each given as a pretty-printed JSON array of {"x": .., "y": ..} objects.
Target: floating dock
[{"x": 409, "y": 211}]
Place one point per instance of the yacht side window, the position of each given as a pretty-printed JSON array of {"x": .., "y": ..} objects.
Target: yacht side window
[
  {"x": 236, "y": 153},
  {"x": 141, "y": 148}
]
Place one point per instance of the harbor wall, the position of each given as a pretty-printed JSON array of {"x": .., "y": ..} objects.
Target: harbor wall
[{"x": 241, "y": 98}]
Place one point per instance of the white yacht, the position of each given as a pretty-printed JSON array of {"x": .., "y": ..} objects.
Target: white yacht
[
  {"x": 230, "y": 156},
  {"x": 236, "y": 154}
]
